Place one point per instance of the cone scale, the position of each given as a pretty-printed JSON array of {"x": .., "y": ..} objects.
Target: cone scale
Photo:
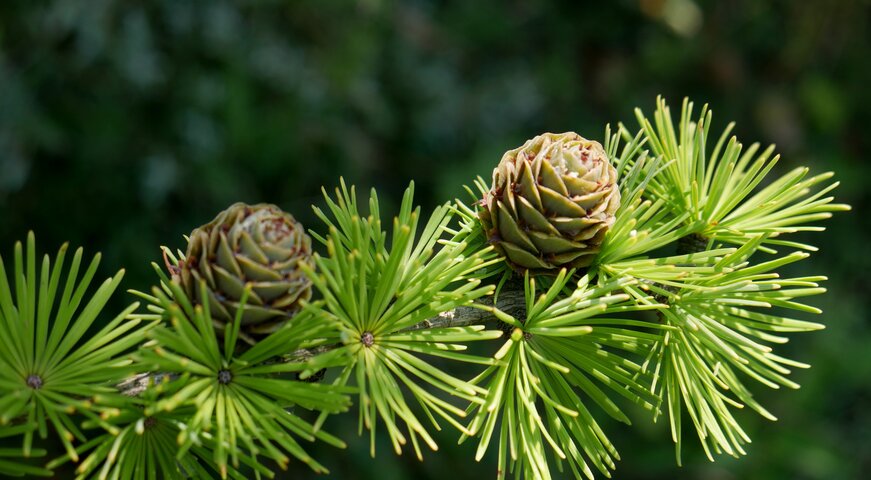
[
  {"x": 257, "y": 245},
  {"x": 551, "y": 202}
]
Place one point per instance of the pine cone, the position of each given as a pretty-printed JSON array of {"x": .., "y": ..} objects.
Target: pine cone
[
  {"x": 551, "y": 202},
  {"x": 259, "y": 245}
]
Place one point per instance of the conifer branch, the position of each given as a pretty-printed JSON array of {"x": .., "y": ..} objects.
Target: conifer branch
[
  {"x": 232, "y": 345},
  {"x": 510, "y": 301}
]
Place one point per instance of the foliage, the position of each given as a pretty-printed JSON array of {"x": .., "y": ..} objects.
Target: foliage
[
  {"x": 10, "y": 458},
  {"x": 140, "y": 120},
  {"x": 377, "y": 290},
  {"x": 555, "y": 352},
  {"x": 722, "y": 324},
  {"x": 235, "y": 394},
  {"x": 710, "y": 193},
  {"x": 713, "y": 187},
  {"x": 677, "y": 313},
  {"x": 140, "y": 445},
  {"x": 51, "y": 360}
]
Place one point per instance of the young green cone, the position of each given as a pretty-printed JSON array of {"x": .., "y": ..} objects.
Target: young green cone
[
  {"x": 260, "y": 245},
  {"x": 551, "y": 202}
]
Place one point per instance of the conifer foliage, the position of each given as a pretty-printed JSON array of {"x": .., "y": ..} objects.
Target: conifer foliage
[{"x": 649, "y": 268}]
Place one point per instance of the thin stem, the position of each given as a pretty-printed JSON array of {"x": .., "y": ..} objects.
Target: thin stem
[
  {"x": 511, "y": 301},
  {"x": 692, "y": 243}
]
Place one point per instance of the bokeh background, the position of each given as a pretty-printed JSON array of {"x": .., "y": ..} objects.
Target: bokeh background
[{"x": 124, "y": 124}]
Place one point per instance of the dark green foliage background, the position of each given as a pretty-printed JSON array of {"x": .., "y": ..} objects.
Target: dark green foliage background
[{"x": 124, "y": 124}]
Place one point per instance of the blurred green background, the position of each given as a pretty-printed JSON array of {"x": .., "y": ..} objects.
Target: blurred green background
[{"x": 124, "y": 124}]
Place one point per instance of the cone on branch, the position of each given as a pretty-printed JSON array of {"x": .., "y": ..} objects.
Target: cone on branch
[
  {"x": 257, "y": 245},
  {"x": 551, "y": 202}
]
